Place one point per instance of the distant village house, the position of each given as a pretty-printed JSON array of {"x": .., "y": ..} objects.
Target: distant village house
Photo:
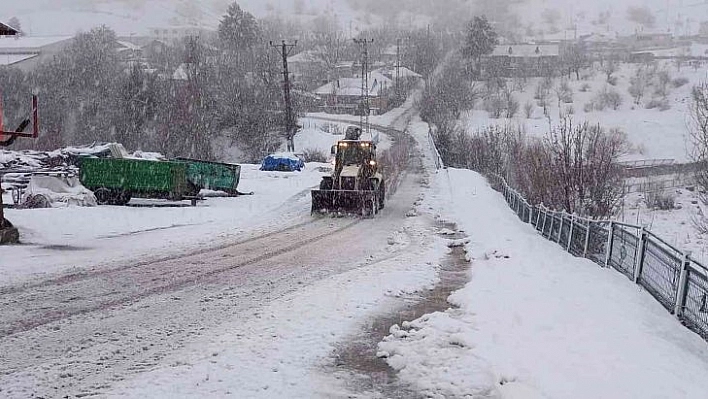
[{"x": 522, "y": 60}]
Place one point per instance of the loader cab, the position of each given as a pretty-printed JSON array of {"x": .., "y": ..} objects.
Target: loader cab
[{"x": 355, "y": 153}]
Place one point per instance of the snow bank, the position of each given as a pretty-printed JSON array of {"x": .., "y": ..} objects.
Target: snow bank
[{"x": 536, "y": 322}]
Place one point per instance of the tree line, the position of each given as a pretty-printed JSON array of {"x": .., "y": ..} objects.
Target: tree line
[{"x": 229, "y": 88}]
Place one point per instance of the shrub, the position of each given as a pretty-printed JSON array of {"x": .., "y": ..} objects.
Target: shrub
[
  {"x": 495, "y": 105},
  {"x": 564, "y": 92},
  {"x": 512, "y": 104},
  {"x": 608, "y": 98},
  {"x": 331, "y": 128},
  {"x": 314, "y": 155},
  {"x": 528, "y": 109},
  {"x": 659, "y": 199},
  {"x": 661, "y": 103},
  {"x": 678, "y": 82}
]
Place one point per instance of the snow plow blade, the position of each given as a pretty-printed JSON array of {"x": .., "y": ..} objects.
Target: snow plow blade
[{"x": 344, "y": 202}]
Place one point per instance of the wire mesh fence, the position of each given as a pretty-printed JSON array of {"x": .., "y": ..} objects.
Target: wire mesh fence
[{"x": 670, "y": 275}]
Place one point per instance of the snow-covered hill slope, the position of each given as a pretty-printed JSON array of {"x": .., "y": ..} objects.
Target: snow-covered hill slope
[
  {"x": 677, "y": 16},
  {"x": 50, "y": 17}
]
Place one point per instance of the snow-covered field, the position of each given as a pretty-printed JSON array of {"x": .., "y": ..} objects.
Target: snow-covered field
[
  {"x": 57, "y": 239},
  {"x": 652, "y": 133}
]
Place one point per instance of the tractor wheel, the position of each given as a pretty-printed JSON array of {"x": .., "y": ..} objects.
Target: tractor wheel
[
  {"x": 369, "y": 207},
  {"x": 382, "y": 195},
  {"x": 104, "y": 196}
]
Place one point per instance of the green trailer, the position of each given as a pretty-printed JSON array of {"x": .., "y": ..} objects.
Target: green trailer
[
  {"x": 216, "y": 176},
  {"x": 114, "y": 181}
]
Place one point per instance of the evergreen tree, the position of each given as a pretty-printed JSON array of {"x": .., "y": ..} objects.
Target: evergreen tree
[
  {"x": 238, "y": 29},
  {"x": 481, "y": 40}
]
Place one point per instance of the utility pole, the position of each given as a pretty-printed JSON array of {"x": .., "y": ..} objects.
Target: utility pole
[
  {"x": 290, "y": 125},
  {"x": 398, "y": 69},
  {"x": 365, "y": 105}
]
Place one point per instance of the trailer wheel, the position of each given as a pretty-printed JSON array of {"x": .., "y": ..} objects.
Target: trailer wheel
[
  {"x": 122, "y": 197},
  {"x": 104, "y": 196}
]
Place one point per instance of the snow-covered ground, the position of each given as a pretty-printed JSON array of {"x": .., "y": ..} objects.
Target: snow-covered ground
[
  {"x": 680, "y": 226},
  {"x": 535, "y": 322},
  {"x": 284, "y": 349},
  {"x": 652, "y": 133},
  {"x": 57, "y": 239}
]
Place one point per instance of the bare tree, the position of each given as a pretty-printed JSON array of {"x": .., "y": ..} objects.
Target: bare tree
[
  {"x": 574, "y": 168},
  {"x": 609, "y": 67},
  {"x": 698, "y": 129},
  {"x": 638, "y": 84}
]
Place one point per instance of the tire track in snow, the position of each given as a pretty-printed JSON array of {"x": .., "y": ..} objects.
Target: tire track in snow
[
  {"x": 91, "y": 273},
  {"x": 35, "y": 306}
]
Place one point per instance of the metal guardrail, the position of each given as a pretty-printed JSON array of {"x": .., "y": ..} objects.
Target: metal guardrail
[
  {"x": 647, "y": 163},
  {"x": 671, "y": 276},
  {"x": 438, "y": 158}
]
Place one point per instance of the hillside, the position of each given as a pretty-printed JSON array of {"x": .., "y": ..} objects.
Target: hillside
[{"x": 126, "y": 17}]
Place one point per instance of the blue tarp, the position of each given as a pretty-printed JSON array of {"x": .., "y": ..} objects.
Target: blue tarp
[{"x": 282, "y": 163}]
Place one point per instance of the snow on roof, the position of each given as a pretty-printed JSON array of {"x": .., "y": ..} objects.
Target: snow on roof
[
  {"x": 600, "y": 37},
  {"x": 10, "y": 59},
  {"x": 8, "y": 44},
  {"x": 352, "y": 86},
  {"x": 181, "y": 73},
  {"x": 402, "y": 71},
  {"x": 127, "y": 46},
  {"x": 6, "y": 29},
  {"x": 391, "y": 50},
  {"x": 305, "y": 56},
  {"x": 695, "y": 50},
  {"x": 526, "y": 50}
]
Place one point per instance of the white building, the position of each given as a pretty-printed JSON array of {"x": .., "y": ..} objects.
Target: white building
[
  {"x": 26, "y": 52},
  {"x": 176, "y": 33}
]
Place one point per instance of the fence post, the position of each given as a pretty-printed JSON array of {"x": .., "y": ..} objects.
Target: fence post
[
  {"x": 570, "y": 233},
  {"x": 639, "y": 259},
  {"x": 608, "y": 249},
  {"x": 587, "y": 239},
  {"x": 538, "y": 217},
  {"x": 560, "y": 229},
  {"x": 682, "y": 287},
  {"x": 545, "y": 215},
  {"x": 530, "y": 220}
]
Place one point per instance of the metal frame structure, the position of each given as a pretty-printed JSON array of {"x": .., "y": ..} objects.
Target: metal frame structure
[{"x": 19, "y": 132}]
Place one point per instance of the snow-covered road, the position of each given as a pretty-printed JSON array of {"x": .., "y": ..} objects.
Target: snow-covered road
[
  {"x": 120, "y": 328},
  {"x": 265, "y": 315}
]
